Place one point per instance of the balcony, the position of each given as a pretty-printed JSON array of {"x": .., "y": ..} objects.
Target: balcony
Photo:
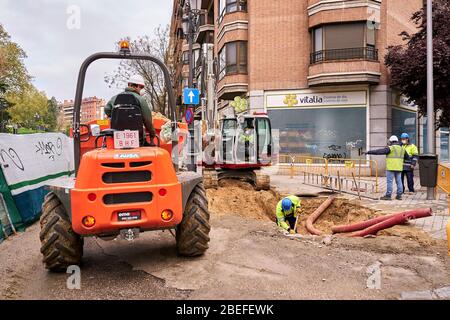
[
  {"x": 339, "y": 11},
  {"x": 365, "y": 53},
  {"x": 206, "y": 27},
  {"x": 344, "y": 66}
]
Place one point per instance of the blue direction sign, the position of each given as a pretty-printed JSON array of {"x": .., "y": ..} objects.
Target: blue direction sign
[
  {"x": 191, "y": 96},
  {"x": 189, "y": 116}
]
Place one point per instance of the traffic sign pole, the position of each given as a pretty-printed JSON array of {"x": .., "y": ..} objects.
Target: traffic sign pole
[{"x": 191, "y": 97}]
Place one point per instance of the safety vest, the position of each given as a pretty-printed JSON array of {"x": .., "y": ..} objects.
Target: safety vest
[
  {"x": 411, "y": 149},
  {"x": 394, "y": 160}
]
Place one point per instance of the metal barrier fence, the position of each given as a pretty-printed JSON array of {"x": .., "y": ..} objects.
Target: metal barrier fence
[
  {"x": 352, "y": 175},
  {"x": 294, "y": 165}
]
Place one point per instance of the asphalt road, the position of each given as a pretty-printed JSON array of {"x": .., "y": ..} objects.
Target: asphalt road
[{"x": 246, "y": 260}]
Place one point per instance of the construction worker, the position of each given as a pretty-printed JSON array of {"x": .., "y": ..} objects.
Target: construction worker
[
  {"x": 247, "y": 135},
  {"x": 395, "y": 156},
  {"x": 135, "y": 86},
  {"x": 287, "y": 212},
  {"x": 408, "y": 166}
]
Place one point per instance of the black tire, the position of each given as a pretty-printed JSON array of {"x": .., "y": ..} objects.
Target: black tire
[
  {"x": 193, "y": 231},
  {"x": 60, "y": 245}
]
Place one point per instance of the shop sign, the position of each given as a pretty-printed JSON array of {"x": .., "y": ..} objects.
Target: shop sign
[{"x": 322, "y": 99}]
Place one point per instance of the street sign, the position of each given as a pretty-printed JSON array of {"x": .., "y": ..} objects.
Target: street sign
[
  {"x": 189, "y": 116},
  {"x": 191, "y": 96}
]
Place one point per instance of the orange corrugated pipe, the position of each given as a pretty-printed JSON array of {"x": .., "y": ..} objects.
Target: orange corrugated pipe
[
  {"x": 316, "y": 214},
  {"x": 371, "y": 222}
]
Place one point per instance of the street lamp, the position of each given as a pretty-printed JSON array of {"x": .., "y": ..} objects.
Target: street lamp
[
  {"x": 191, "y": 12},
  {"x": 431, "y": 138}
]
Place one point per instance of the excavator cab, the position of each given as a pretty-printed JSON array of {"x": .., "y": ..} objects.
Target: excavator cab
[
  {"x": 122, "y": 186},
  {"x": 246, "y": 141},
  {"x": 244, "y": 147}
]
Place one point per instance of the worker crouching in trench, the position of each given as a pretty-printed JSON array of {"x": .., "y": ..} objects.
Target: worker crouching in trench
[{"x": 288, "y": 210}]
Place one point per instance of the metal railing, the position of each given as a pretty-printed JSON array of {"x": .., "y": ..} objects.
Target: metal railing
[
  {"x": 293, "y": 165},
  {"x": 359, "y": 175},
  {"x": 366, "y": 53}
]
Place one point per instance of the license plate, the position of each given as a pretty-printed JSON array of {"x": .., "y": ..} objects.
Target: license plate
[
  {"x": 126, "y": 139},
  {"x": 129, "y": 215}
]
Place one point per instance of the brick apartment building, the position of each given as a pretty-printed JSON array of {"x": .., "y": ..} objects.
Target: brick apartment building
[
  {"x": 315, "y": 66},
  {"x": 92, "y": 108},
  {"x": 66, "y": 111}
]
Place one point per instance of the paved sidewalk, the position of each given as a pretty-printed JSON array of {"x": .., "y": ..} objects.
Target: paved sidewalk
[{"x": 434, "y": 225}]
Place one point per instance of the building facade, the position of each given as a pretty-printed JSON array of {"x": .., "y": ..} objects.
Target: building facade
[
  {"x": 315, "y": 66},
  {"x": 66, "y": 112},
  {"x": 92, "y": 108}
]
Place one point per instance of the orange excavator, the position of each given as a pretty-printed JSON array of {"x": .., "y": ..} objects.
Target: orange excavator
[{"x": 122, "y": 186}]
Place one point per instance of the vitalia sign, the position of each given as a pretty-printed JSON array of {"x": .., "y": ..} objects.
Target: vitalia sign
[{"x": 322, "y": 99}]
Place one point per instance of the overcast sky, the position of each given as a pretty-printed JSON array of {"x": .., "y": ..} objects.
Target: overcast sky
[{"x": 48, "y": 31}]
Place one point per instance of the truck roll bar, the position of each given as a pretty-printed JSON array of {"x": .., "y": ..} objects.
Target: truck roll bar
[{"x": 80, "y": 87}]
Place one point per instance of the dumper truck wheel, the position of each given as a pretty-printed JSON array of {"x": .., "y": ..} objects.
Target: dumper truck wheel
[
  {"x": 60, "y": 245},
  {"x": 193, "y": 231}
]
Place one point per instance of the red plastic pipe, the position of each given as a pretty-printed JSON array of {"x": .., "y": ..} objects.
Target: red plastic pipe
[
  {"x": 368, "y": 223},
  {"x": 400, "y": 218},
  {"x": 316, "y": 214}
]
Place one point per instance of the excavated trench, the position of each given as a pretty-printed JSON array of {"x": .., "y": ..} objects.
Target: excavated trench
[{"x": 235, "y": 197}]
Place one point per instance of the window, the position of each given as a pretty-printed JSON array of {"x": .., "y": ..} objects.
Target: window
[
  {"x": 227, "y": 6},
  {"x": 344, "y": 41},
  {"x": 321, "y": 132},
  {"x": 233, "y": 59},
  {"x": 404, "y": 121}
]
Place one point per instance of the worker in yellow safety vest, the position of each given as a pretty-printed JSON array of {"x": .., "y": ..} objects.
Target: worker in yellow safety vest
[
  {"x": 395, "y": 157},
  {"x": 287, "y": 212},
  {"x": 408, "y": 166}
]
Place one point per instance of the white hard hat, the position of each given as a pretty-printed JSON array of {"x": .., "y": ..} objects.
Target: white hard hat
[
  {"x": 137, "y": 79},
  {"x": 393, "y": 139}
]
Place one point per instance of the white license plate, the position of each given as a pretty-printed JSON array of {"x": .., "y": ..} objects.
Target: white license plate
[{"x": 126, "y": 139}]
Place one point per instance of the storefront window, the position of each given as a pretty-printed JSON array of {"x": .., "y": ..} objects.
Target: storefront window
[
  {"x": 404, "y": 121},
  {"x": 321, "y": 132}
]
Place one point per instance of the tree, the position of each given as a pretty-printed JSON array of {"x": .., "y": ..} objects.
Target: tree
[
  {"x": 155, "y": 90},
  {"x": 30, "y": 108},
  {"x": 51, "y": 115},
  {"x": 13, "y": 73},
  {"x": 408, "y": 63}
]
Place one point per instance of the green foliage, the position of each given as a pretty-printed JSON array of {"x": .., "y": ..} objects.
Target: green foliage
[
  {"x": 13, "y": 73},
  {"x": 51, "y": 115},
  {"x": 30, "y": 108},
  {"x": 408, "y": 63},
  {"x": 20, "y": 102},
  {"x": 239, "y": 104}
]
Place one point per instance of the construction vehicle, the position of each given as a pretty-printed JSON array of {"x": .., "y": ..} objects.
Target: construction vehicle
[
  {"x": 122, "y": 186},
  {"x": 231, "y": 152},
  {"x": 241, "y": 155}
]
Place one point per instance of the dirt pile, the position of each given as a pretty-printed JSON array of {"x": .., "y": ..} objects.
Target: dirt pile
[
  {"x": 239, "y": 198},
  {"x": 341, "y": 211}
]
